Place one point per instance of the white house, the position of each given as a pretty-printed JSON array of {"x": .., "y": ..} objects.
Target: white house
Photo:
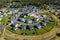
[
  {"x": 22, "y": 19},
  {"x": 31, "y": 27},
  {"x": 29, "y": 21},
  {"x": 23, "y": 27},
  {"x": 38, "y": 26}
]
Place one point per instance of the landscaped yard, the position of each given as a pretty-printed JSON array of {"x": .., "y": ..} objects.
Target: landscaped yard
[
  {"x": 28, "y": 17},
  {"x": 49, "y": 26},
  {"x": 27, "y": 31},
  {"x": 4, "y": 20}
]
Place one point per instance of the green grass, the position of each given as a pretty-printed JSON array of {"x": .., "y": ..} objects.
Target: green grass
[
  {"x": 40, "y": 31},
  {"x": 49, "y": 26},
  {"x": 27, "y": 31},
  {"x": 28, "y": 17},
  {"x": 0, "y": 34},
  {"x": 4, "y": 20}
]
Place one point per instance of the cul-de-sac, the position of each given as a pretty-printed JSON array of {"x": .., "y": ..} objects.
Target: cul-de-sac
[{"x": 29, "y": 19}]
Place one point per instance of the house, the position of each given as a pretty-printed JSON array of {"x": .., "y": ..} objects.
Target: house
[
  {"x": 15, "y": 24},
  {"x": 0, "y": 18},
  {"x": 13, "y": 18},
  {"x": 23, "y": 27},
  {"x": 29, "y": 21},
  {"x": 5, "y": 14},
  {"x": 43, "y": 23},
  {"x": 21, "y": 19},
  {"x": 55, "y": 6},
  {"x": 23, "y": 15},
  {"x": 14, "y": 28},
  {"x": 2, "y": 14},
  {"x": 45, "y": 20},
  {"x": 56, "y": 12},
  {"x": 34, "y": 9},
  {"x": 24, "y": 9},
  {"x": 38, "y": 26},
  {"x": 51, "y": 19},
  {"x": 36, "y": 19},
  {"x": 10, "y": 22},
  {"x": 44, "y": 16},
  {"x": 31, "y": 27}
]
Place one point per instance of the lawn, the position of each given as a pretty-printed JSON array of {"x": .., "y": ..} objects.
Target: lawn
[
  {"x": 49, "y": 26},
  {"x": 0, "y": 34},
  {"x": 27, "y": 31},
  {"x": 28, "y": 17},
  {"x": 4, "y": 20},
  {"x": 40, "y": 31}
]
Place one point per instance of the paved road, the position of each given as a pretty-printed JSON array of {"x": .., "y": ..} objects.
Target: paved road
[{"x": 39, "y": 37}]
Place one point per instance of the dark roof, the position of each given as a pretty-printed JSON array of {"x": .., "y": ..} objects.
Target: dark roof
[
  {"x": 45, "y": 20},
  {"x": 43, "y": 23},
  {"x": 23, "y": 27},
  {"x": 22, "y": 15}
]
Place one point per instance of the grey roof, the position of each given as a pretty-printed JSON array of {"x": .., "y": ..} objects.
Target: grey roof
[
  {"x": 22, "y": 19},
  {"x": 31, "y": 27},
  {"x": 14, "y": 28},
  {"x": 15, "y": 24},
  {"x": 43, "y": 23},
  {"x": 45, "y": 20},
  {"x": 51, "y": 19},
  {"x": 22, "y": 15},
  {"x": 29, "y": 21},
  {"x": 23, "y": 27},
  {"x": 13, "y": 18},
  {"x": 38, "y": 26}
]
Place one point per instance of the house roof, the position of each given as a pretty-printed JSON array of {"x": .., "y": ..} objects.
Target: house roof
[
  {"x": 31, "y": 27},
  {"x": 22, "y": 19},
  {"x": 38, "y": 26},
  {"x": 23, "y": 27},
  {"x": 43, "y": 23},
  {"x": 15, "y": 24},
  {"x": 29, "y": 21},
  {"x": 14, "y": 28}
]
